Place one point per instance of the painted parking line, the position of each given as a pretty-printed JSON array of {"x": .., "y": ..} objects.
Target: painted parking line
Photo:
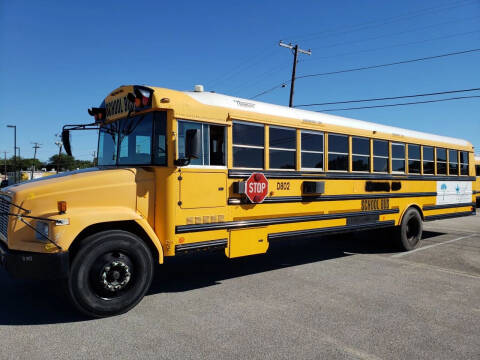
[{"x": 433, "y": 245}]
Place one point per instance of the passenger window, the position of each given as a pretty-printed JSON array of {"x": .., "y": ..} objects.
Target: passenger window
[
  {"x": 414, "y": 161},
  {"x": 248, "y": 145},
  {"x": 312, "y": 150},
  {"x": 453, "y": 162},
  {"x": 337, "y": 152},
  {"x": 213, "y": 143},
  {"x": 283, "y": 148},
  {"x": 398, "y": 158},
  {"x": 441, "y": 161},
  {"x": 380, "y": 156},
  {"x": 464, "y": 170},
  {"x": 360, "y": 154},
  {"x": 428, "y": 161}
]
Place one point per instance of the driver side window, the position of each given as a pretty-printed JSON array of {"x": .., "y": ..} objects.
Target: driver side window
[{"x": 213, "y": 143}]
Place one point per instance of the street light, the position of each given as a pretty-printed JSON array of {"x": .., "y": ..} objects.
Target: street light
[{"x": 14, "y": 151}]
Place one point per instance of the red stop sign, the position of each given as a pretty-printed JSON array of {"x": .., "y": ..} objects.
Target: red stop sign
[{"x": 256, "y": 187}]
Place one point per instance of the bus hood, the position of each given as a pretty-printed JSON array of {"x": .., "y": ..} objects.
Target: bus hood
[
  {"x": 89, "y": 189},
  {"x": 92, "y": 196}
]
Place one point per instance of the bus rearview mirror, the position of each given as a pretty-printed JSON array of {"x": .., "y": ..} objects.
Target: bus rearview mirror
[{"x": 66, "y": 142}]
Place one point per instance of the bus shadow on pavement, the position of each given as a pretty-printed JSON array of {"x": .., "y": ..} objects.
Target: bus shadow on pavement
[
  {"x": 35, "y": 302},
  {"x": 200, "y": 270}
]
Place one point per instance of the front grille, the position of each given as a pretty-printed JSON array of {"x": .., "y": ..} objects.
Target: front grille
[{"x": 4, "y": 209}]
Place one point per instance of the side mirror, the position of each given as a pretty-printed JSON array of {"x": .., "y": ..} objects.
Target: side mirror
[
  {"x": 66, "y": 141},
  {"x": 193, "y": 144}
]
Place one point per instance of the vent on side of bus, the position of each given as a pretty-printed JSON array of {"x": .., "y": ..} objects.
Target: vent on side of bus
[
  {"x": 377, "y": 186},
  {"x": 313, "y": 187}
]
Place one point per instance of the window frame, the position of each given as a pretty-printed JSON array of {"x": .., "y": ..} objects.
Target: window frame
[
  {"x": 419, "y": 160},
  {"x": 294, "y": 150},
  {"x": 429, "y": 161},
  {"x": 443, "y": 162},
  {"x": 203, "y": 123},
  {"x": 405, "y": 163},
  {"x": 456, "y": 162},
  {"x": 338, "y": 153},
  {"x": 467, "y": 163},
  {"x": 381, "y": 157},
  {"x": 362, "y": 155},
  {"x": 313, "y": 132},
  {"x": 248, "y": 146}
]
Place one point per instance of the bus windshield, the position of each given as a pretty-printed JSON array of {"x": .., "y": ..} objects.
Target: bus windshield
[{"x": 138, "y": 140}]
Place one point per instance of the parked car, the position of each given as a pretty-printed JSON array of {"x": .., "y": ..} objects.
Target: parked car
[{"x": 3, "y": 183}]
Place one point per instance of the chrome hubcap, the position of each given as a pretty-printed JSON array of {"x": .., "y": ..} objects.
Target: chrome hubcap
[{"x": 115, "y": 275}]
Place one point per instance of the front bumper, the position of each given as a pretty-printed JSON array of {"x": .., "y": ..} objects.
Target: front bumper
[{"x": 35, "y": 266}]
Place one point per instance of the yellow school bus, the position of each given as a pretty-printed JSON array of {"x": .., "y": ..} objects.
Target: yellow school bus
[{"x": 184, "y": 171}]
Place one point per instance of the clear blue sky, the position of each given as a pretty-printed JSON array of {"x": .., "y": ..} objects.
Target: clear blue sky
[{"x": 57, "y": 58}]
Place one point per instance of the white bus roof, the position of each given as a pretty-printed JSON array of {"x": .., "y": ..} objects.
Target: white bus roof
[{"x": 231, "y": 102}]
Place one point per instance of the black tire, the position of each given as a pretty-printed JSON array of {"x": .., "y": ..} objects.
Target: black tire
[
  {"x": 110, "y": 273},
  {"x": 409, "y": 233}
]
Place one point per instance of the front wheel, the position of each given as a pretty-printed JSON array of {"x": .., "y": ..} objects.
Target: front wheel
[
  {"x": 410, "y": 230},
  {"x": 110, "y": 273}
]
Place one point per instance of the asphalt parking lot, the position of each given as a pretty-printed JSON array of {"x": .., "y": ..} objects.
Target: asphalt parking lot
[{"x": 348, "y": 297}]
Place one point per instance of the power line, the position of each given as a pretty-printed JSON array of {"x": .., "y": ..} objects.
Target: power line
[
  {"x": 390, "y": 98},
  {"x": 402, "y": 104},
  {"x": 369, "y": 68},
  {"x": 388, "y": 64},
  {"x": 401, "y": 33},
  {"x": 398, "y": 45},
  {"x": 341, "y": 30}
]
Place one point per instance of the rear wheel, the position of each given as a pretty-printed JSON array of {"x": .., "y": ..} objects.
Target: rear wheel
[
  {"x": 110, "y": 273},
  {"x": 410, "y": 230}
]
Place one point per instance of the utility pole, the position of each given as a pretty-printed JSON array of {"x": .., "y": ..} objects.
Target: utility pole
[
  {"x": 14, "y": 127},
  {"x": 59, "y": 144},
  {"x": 36, "y": 146},
  {"x": 94, "y": 154},
  {"x": 296, "y": 50},
  {"x": 5, "y": 164}
]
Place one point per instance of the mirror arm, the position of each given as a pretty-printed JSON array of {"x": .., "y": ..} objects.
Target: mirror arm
[{"x": 182, "y": 162}]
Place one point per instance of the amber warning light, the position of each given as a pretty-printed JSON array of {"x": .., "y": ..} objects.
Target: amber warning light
[
  {"x": 62, "y": 207},
  {"x": 97, "y": 113},
  {"x": 141, "y": 97}
]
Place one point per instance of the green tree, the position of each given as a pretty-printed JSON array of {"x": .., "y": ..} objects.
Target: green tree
[{"x": 65, "y": 162}]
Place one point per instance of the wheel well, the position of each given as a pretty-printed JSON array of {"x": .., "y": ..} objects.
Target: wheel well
[
  {"x": 415, "y": 207},
  {"x": 130, "y": 226}
]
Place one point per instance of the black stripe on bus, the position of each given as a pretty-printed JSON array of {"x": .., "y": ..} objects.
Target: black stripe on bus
[
  {"x": 331, "y": 230},
  {"x": 447, "y": 206},
  {"x": 289, "y": 199},
  {"x": 448, "y": 216},
  {"x": 202, "y": 245},
  {"x": 475, "y": 192},
  {"x": 180, "y": 229},
  {"x": 275, "y": 174}
]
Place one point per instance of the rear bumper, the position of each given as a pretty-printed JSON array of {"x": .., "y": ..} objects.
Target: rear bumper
[{"x": 35, "y": 266}]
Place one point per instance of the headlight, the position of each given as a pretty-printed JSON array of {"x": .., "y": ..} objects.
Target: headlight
[{"x": 42, "y": 227}]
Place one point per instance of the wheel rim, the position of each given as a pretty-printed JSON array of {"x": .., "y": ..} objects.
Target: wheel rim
[
  {"x": 111, "y": 275},
  {"x": 412, "y": 230}
]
